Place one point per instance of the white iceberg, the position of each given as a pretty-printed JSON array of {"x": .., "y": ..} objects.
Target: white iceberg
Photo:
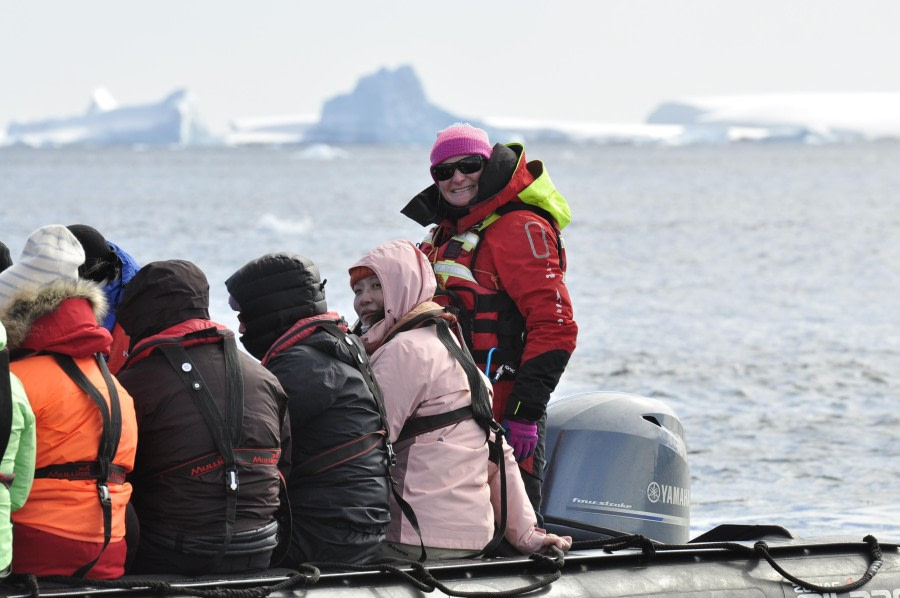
[
  {"x": 388, "y": 107},
  {"x": 172, "y": 121},
  {"x": 800, "y": 117},
  {"x": 624, "y": 133},
  {"x": 809, "y": 117}
]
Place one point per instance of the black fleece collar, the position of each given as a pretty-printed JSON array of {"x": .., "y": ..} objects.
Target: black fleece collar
[{"x": 428, "y": 207}]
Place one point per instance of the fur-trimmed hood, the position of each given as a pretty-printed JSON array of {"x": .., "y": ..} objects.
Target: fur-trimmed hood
[{"x": 61, "y": 316}]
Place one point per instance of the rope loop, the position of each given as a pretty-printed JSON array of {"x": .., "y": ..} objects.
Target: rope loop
[
  {"x": 305, "y": 575},
  {"x": 417, "y": 575},
  {"x": 876, "y": 560},
  {"x": 648, "y": 547}
]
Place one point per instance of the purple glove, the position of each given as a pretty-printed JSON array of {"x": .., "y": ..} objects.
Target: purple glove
[{"x": 522, "y": 437}]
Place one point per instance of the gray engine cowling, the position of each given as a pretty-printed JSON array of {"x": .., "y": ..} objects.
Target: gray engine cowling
[{"x": 616, "y": 463}]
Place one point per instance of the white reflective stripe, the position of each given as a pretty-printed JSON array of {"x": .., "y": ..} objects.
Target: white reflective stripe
[
  {"x": 445, "y": 270},
  {"x": 468, "y": 239}
]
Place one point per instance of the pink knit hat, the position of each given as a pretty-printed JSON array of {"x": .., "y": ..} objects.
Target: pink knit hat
[{"x": 460, "y": 140}]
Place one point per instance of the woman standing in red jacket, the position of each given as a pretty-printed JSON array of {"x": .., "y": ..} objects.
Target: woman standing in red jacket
[{"x": 496, "y": 248}]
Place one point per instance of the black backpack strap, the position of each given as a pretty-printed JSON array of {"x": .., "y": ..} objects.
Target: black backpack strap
[
  {"x": 357, "y": 447},
  {"x": 109, "y": 439},
  {"x": 225, "y": 429},
  {"x": 479, "y": 409},
  {"x": 427, "y": 317},
  {"x": 361, "y": 361},
  {"x": 481, "y": 402},
  {"x": 334, "y": 456},
  {"x": 496, "y": 454},
  {"x": 427, "y": 423},
  {"x": 5, "y": 402}
]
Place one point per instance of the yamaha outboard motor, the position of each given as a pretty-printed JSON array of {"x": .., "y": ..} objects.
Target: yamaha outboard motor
[{"x": 616, "y": 464}]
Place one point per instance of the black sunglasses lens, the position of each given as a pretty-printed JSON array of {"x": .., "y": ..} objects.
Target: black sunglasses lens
[
  {"x": 442, "y": 172},
  {"x": 468, "y": 165}
]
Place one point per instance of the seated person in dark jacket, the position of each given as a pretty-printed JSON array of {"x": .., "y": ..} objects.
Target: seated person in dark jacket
[
  {"x": 212, "y": 425},
  {"x": 339, "y": 503},
  {"x": 111, "y": 267},
  {"x": 5, "y": 258}
]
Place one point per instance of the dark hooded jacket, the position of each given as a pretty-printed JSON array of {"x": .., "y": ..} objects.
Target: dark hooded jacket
[
  {"x": 5, "y": 258},
  {"x": 109, "y": 265},
  {"x": 339, "y": 514},
  {"x": 179, "y": 483}
]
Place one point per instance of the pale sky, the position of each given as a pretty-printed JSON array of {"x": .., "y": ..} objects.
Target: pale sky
[{"x": 584, "y": 60}]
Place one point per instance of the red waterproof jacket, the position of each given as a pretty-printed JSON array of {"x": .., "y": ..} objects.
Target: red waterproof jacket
[{"x": 502, "y": 262}]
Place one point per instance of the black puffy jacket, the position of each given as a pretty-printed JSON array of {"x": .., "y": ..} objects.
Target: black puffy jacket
[
  {"x": 339, "y": 514},
  {"x": 330, "y": 404}
]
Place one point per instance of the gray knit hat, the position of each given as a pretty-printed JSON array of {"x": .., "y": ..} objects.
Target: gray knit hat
[{"x": 51, "y": 252}]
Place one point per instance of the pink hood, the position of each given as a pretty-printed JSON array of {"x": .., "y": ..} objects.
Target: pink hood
[
  {"x": 444, "y": 474},
  {"x": 406, "y": 280}
]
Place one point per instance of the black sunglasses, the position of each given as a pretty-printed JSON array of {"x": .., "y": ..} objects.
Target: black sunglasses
[{"x": 467, "y": 165}]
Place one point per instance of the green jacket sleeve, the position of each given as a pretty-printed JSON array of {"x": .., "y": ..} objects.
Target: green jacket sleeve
[{"x": 21, "y": 449}]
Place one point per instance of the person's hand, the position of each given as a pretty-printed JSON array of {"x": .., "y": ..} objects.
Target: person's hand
[
  {"x": 564, "y": 543},
  {"x": 522, "y": 437}
]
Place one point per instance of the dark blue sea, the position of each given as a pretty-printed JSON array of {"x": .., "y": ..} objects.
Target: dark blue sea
[{"x": 753, "y": 288}]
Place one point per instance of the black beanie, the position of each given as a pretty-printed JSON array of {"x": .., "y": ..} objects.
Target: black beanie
[
  {"x": 100, "y": 261},
  {"x": 5, "y": 258},
  {"x": 274, "y": 292}
]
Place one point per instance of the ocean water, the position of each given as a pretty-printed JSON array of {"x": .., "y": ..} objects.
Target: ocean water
[{"x": 753, "y": 288}]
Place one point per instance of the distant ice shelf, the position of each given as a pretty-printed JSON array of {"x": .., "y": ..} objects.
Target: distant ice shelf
[
  {"x": 172, "y": 121},
  {"x": 809, "y": 117}
]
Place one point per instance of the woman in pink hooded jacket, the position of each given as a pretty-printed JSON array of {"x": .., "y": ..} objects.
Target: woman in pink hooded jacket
[{"x": 444, "y": 474}]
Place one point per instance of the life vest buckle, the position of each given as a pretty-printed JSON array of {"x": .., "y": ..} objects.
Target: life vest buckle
[
  {"x": 231, "y": 480},
  {"x": 454, "y": 248},
  {"x": 103, "y": 491},
  {"x": 392, "y": 456},
  {"x": 503, "y": 369}
]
